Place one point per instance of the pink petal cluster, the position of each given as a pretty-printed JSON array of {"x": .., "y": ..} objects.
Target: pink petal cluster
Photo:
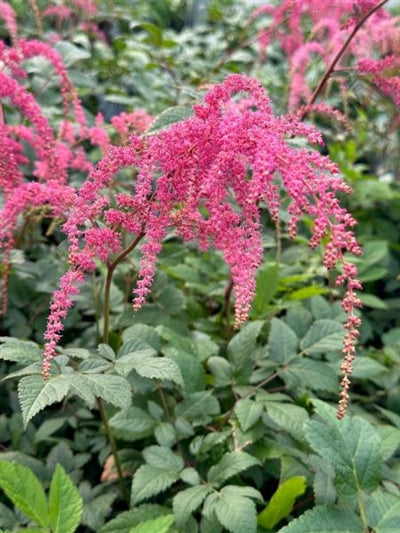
[
  {"x": 331, "y": 24},
  {"x": 127, "y": 123},
  {"x": 207, "y": 178}
]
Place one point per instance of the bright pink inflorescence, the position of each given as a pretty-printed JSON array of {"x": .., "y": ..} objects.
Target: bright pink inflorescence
[
  {"x": 207, "y": 177},
  {"x": 331, "y": 24}
]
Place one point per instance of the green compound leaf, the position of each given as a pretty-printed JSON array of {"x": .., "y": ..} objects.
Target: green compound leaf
[
  {"x": 233, "y": 508},
  {"x": 282, "y": 342},
  {"x": 383, "y": 512},
  {"x": 248, "y": 412},
  {"x": 324, "y": 336},
  {"x": 150, "y": 480},
  {"x": 325, "y": 519},
  {"x": 161, "y": 524},
  {"x": 65, "y": 503},
  {"x": 232, "y": 463},
  {"x": 281, "y": 503},
  {"x": 25, "y": 491},
  {"x": 113, "y": 389},
  {"x": 188, "y": 500},
  {"x": 19, "y": 351},
  {"x": 352, "y": 446},
  {"x": 132, "y": 424},
  {"x": 147, "y": 366},
  {"x": 125, "y": 521},
  {"x": 266, "y": 286},
  {"x": 35, "y": 394},
  {"x": 163, "y": 457}
]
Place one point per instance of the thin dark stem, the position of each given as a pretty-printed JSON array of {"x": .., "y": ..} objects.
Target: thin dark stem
[
  {"x": 114, "y": 450},
  {"x": 227, "y": 304},
  {"x": 107, "y": 289},
  {"x": 335, "y": 60}
]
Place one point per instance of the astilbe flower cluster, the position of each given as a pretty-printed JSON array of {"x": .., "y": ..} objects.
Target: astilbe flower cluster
[
  {"x": 207, "y": 178},
  {"x": 57, "y": 153},
  {"x": 330, "y": 24}
]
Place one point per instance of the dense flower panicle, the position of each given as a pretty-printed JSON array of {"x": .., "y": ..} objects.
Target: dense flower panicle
[
  {"x": 128, "y": 123},
  {"x": 388, "y": 85},
  {"x": 8, "y": 15},
  {"x": 330, "y": 27},
  {"x": 206, "y": 177}
]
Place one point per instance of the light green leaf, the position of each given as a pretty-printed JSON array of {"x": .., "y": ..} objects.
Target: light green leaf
[
  {"x": 143, "y": 333},
  {"x": 163, "y": 458},
  {"x": 71, "y": 53},
  {"x": 165, "y": 434},
  {"x": 325, "y": 519},
  {"x": 221, "y": 370},
  {"x": 311, "y": 374},
  {"x": 390, "y": 440},
  {"x": 288, "y": 417},
  {"x": 198, "y": 407},
  {"x": 234, "y": 511},
  {"x": 169, "y": 117},
  {"x": 190, "y": 476},
  {"x": 128, "y": 361},
  {"x": 325, "y": 335},
  {"x": 106, "y": 351},
  {"x": 232, "y": 463},
  {"x": 282, "y": 501},
  {"x": 188, "y": 500},
  {"x": 113, "y": 389},
  {"x": 248, "y": 412},
  {"x": 282, "y": 342},
  {"x": 370, "y": 300},
  {"x": 65, "y": 503},
  {"x": 266, "y": 285},
  {"x": 150, "y": 480},
  {"x": 35, "y": 394},
  {"x": 352, "y": 446},
  {"x": 149, "y": 367},
  {"x": 161, "y": 524},
  {"x": 125, "y": 521},
  {"x": 307, "y": 292},
  {"x": 20, "y": 351},
  {"x": 242, "y": 346},
  {"x": 25, "y": 491},
  {"x": 132, "y": 424},
  {"x": 383, "y": 512}
]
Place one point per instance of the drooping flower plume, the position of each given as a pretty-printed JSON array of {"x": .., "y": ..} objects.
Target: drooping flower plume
[{"x": 208, "y": 178}]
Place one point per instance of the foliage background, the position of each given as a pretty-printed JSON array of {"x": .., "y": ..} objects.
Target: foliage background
[{"x": 216, "y": 430}]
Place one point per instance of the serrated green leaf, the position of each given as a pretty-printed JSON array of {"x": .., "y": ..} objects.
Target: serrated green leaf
[
  {"x": 142, "y": 333},
  {"x": 352, "y": 446},
  {"x": 161, "y": 524},
  {"x": 266, "y": 286},
  {"x": 221, "y": 370},
  {"x": 311, "y": 374},
  {"x": 168, "y": 117},
  {"x": 106, "y": 351},
  {"x": 65, "y": 503},
  {"x": 282, "y": 342},
  {"x": 390, "y": 440},
  {"x": 124, "y": 522},
  {"x": 112, "y": 389},
  {"x": 35, "y": 394},
  {"x": 232, "y": 463},
  {"x": 165, "y": 434},
  {"x": 150, "y": 480},
  {"x": 235, "y": 512},
  {"x": 79, "y": 386},
  {"x": 188, "y": 500},
  {"x": 25, "y": 491},
  {"x": 132, "y": 424},
  {"x": 370, "y": 300},
  {"x": 19, "y": 351},
  {"x": 242, "y": 347},
  {"x": 163, "y": 458},
  {"x": 282, "y": 501},
  {"x": 288, "y": 417},
  {"x": 190, "y": 476},
  {"x": 324, "y": 335},
  {"x": 248, "y": 412},
  {"x": 149, "y": 367},
  {"x": 308, "y": 292},
  {"x": 383, "y": 512},
  {"x": 191, "y": 369},
  {"x": 198, "y": 407},
  {"x": 299, "y": 319},
  {"x": 325, "y": 519}
]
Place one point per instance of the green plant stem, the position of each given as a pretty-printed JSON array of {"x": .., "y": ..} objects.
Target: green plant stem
[
  {"x": 107, "y": 289},
  {"x": 335, "y": 60},
  {"x": 114, "y": 450}
]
